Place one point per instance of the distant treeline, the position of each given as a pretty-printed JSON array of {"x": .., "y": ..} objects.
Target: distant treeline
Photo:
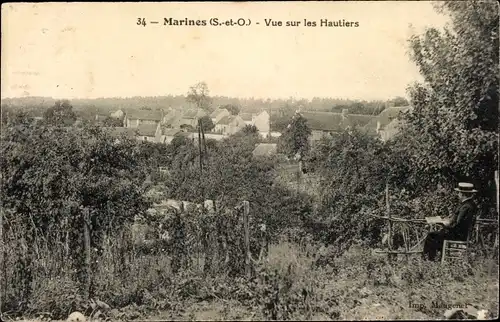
[{"x": 280, "y": 107}]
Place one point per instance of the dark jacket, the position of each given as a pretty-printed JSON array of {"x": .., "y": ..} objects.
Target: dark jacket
[{"x": 463, "y": 220}]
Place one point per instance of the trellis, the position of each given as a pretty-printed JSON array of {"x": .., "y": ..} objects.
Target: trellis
[{"x": 409, "y": 232}]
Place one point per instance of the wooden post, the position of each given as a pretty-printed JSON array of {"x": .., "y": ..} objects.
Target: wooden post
[
  {"x": 246, "y": 226},
  {"x": 263, "y": 241},
  {"x": 498, "y": 212},
  {"x": 86, "y": 236},
  {"x": 387, "y": 205},
  {"x": 205, "y": 156},
  {"x": 199, "y": 145}
]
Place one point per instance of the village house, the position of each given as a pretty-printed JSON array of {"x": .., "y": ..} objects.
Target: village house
[
  {"x": 229, "y": 125},
  {"x": 99, "y": 118},
  {"x": 218, "y": 114},
  {"x": 147, "y": 132},
  {"x": 261, "y": 122},
  {"x": 119, "y": 132},
  {"x": 387, "y": 123},
  {"x": 185, "y": 120},
  {"x": 119, "y": 114},
  {"x": 165, "y": 135},
  {"x": 172, "y": 118},
  {"x": 135, "y": 118},
  {"x": 191, "y": 117},
  {"x": 327, "y": 123},
  {"x": 247, "y": 118}
]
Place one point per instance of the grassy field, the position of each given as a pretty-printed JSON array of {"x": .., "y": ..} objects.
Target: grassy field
[
  {"x": 307, "y": 283},
  {"x": 360, "y": 285}
]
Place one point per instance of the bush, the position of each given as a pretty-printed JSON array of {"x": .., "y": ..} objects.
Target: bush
[{"x": 59, "y": 296}]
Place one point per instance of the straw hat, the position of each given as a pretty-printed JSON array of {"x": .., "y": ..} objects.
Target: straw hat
[{"x": 465, "y": 187}]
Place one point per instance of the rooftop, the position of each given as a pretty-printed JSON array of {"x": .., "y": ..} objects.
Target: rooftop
[
  {"x": 389, "y": 114},
  {"x": 246, "y": 116},
  {"x": 328, "y": 121},
  {"x": 144, "y": 115},
  {"x": 193, "y": 113},
  {"x": 218, "y": 111},
  {"x": 170, "y": 132},
  {"x": 384, "y": 118},
  {"x": 147, "y": 129},
  {"x": 118, "y": 131},
  {"x": 226, "y": 120}
]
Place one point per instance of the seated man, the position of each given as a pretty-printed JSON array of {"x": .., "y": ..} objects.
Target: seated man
[{"x": 458, "y": 227}]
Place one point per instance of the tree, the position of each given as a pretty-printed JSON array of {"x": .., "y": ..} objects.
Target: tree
[
  {"x": 206, "y": 123},
  {"x": 187, "y": 127},
  {"x": 398, "y": 101},
  {"x": 112, "y": 122},
  {"x": 54, "y": 176},
  {"x": 200, "y": 96},
  {"x": 250, "y": 130},
  {"x": 233, "y": 109},
  {"x": 5, "y": 112},
  {"x": 61, "y": 113},
  {"x": 295, "y": 138},
  {"x": 452, "y": 130},
  {"x": 353, "y": 169},
  {"x": 280, "y": 122}
]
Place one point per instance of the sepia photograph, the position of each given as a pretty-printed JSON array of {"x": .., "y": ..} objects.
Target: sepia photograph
[{"x": 249, "y": 161}]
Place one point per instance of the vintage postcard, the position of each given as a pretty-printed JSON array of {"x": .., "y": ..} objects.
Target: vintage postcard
[{"x": 249, "y": 160}]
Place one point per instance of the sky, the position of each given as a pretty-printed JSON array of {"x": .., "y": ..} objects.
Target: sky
[{"x": 90, "y": 50}]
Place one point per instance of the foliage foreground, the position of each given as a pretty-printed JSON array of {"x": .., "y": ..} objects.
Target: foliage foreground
[{"x": 294, "y": 282}]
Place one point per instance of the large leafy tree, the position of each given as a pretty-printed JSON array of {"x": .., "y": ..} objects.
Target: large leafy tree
[
  {"x": 60, "y": 114},
  {"x": 452, "y": 131},
  {"x": 112, "y": 122},
  {"x": 353, "y": 172},
  {"x": 232, "y": 108},
  {"x": 199, "y": 95},
  {"x": 206, "y": 123},
  {"x": 249, "y": 131},
  {"x": 280, "y": 122},
  {"x": 52, "y": 175},
  {"x": 295, "y": 138}
]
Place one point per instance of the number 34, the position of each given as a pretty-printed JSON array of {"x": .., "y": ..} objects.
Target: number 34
[{"x": 141, "y": 21}]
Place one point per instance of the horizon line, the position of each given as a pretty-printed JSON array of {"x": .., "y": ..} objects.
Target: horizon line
[{"x": 213, "y": 96}]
